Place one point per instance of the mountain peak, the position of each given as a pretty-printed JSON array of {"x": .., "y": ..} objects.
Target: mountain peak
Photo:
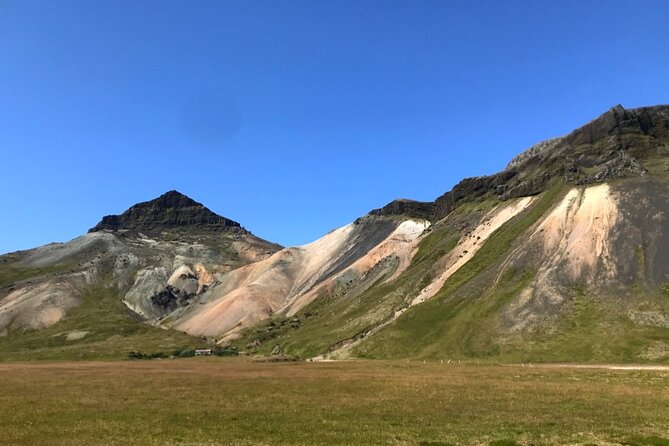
[
  {"x": 173, "y": 199},
  {"x": 171, "y": 210}
]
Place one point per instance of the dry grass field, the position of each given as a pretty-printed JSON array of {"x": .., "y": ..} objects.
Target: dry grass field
[{"x": 234, "y": 401}]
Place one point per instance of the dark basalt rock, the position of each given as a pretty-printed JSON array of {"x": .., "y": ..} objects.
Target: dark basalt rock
[
  {"x": 170, "y": 210},
  {"x": 418, "y": 209},
  {"x": 171, "y": 298},
  {"x": 165, "y": 299},
  {"x": 651, "y": 121},
  {"x": 623, "y": 166},
  {"x": 609, "y": 147}
]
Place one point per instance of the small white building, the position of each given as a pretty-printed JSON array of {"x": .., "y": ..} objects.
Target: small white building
[{"x": 203, "y": 352}]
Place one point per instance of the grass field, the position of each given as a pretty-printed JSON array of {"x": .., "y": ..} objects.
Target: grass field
[{"x": 215, "y": 401}]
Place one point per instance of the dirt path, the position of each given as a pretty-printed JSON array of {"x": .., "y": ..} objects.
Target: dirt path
[{"x": 637, "y": 367}]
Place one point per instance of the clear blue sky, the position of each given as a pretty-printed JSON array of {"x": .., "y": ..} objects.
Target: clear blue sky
[{"x": 295, "y": 117}]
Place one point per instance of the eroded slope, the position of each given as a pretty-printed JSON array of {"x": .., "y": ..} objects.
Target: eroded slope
[
  {"x": 584, "y": 279},
  {"x": 348, "y": 259}
]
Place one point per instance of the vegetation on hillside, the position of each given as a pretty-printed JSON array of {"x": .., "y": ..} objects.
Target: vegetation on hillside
[{"x": 101, "y": 328}]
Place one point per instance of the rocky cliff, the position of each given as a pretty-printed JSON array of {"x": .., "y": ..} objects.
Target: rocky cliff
[
  {"x": 619, "y": 144},
  {"x": 170, "y": 210}
]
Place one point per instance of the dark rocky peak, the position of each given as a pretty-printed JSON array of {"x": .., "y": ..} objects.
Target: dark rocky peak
[
  {"x": 619, "y": 121},
  {"x": 171, "y": 210},
  {"x": 416, "y": 209},
  {"x": 613, "y": 131}
]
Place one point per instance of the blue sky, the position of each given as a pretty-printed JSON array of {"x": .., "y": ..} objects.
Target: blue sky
[{"x": 295, "y": 117}]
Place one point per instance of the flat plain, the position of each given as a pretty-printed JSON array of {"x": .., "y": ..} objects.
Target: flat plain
[{"x": 235, "y": 401}]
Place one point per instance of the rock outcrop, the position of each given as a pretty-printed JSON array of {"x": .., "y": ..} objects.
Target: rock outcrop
[
  {"x": 615, "y": 145},
  {"x": 170, "y": 210}
]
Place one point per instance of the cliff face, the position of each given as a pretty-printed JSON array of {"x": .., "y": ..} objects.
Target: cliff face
[
  {"x": 619, "y": 144},
  {"x": 170, "y": 210}
]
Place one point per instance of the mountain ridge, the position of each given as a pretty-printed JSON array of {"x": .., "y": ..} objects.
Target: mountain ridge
[{"x": 556, "y": 158}]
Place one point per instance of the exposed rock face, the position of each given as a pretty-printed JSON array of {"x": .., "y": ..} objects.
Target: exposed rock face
[
  {"x": 615, "y": 145},
  {"x": 534, "y": 151},
  {"x": 184, "y": 284},
  {"x": 418, "y": 209},
  {"x": 170, "y": 210},
  {"x": 651, "y": 121}
]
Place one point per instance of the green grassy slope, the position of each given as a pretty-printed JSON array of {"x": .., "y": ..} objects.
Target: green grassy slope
[
  {"x": 328, "y": 321},
  {"x": 331, "y": 319},
  {"x": 463, "y": 319},
  {"x": 101, "y": 328},
  {"x": 446, "y": 324},
  {"x": 10, "y": 273}
]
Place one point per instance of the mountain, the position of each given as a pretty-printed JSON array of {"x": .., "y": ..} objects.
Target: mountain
[
  {"x": 561, "y": 256},
  {"x": 138, "y": 266},
  {"x": 170, "y": 210}
]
